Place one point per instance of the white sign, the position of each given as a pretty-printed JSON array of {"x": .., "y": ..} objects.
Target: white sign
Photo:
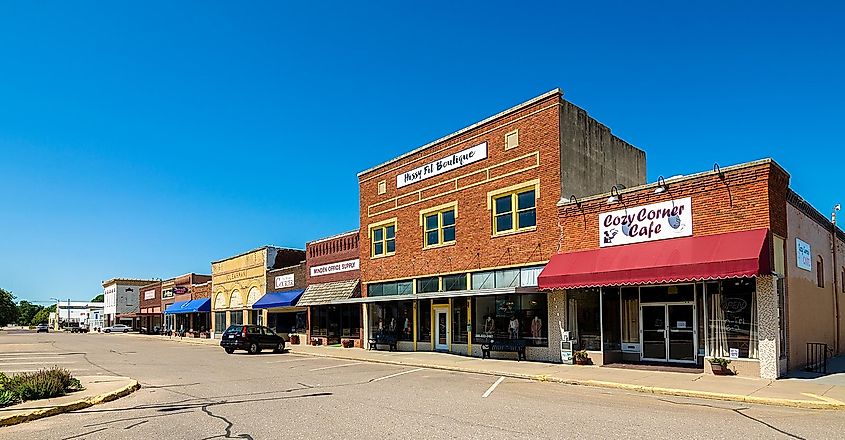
[
  {"x": 150, "y": 294},
  {"x": 734, "y": 353},
  {"x": 804, "y": 254},
  {"x": 440, "y": 166},
  {"x": 343, "y": 266},
  {"x": 658, "y": 221},
  {"x": 283, "y": 281},
  {"x": 681, "y": 324}
]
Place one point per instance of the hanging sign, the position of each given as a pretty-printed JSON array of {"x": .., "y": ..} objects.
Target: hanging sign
[
  {"x": 804, "y": 254},
  {"x": 658, "y": 221},
  {"x": 440, "y": 166}
]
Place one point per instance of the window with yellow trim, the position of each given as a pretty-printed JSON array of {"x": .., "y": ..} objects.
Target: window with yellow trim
[
  {"x": 515, "y": 211},
  {"x": 383, "y": 240},
  {"x": 439, "y": 227}
]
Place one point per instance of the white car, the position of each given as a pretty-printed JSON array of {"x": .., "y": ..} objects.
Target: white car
[{"x": 117, "y": 328}]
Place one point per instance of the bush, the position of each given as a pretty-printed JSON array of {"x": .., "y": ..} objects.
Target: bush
[{"x": 42, "y": 384}]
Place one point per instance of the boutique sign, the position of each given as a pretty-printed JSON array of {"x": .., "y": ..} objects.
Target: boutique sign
[
  {"x": 658, "y": 221},
  {"x": 440, "y": 166}
]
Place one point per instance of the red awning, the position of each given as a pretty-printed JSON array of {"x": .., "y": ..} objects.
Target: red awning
[{"x": 730, "y": 255}]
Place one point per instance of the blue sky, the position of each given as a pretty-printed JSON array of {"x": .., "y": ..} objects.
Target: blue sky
[{"x": 148, "y": 139}]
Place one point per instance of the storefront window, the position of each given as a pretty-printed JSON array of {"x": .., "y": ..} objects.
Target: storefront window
[
  {"x": 426, "y": 285},
  {"x": 459, "y": 321},
  {"x": 286, "y": 322},
  {"x": 511, "y": 316},
  {"x": 394, "y": 318},
  {"x": 611, "y": 322},
  {"x": 219, "y": 322},
  {"x": 483, "y": 280},
  {"x": 630, "y": 315},
  {"x": 507, "y": 278},
  {"x": 391, "y": 288},
  {"x": 255, "y": 317},
  {"x": 350, "y": 321},
  {"x": 454, "y": 282},
  {"x": 733, "y": 318},
  {"x": 236, "y": 317},
  {"x": 424, "y": 320},
  {"x": 319, "y": 319},
  {"x": 583, "y": 318}
]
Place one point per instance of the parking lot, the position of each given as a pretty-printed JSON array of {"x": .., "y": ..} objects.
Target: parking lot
[{"x": 199, "y": 392}]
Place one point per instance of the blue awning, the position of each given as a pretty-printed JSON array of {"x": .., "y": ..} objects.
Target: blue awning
[
  {"x": 278, "y": 299},
  {"x": 192, "y": 306}
]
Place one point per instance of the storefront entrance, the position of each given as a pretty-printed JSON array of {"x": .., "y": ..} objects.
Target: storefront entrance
[
  {"x": 441, "y": 328},
  {"x": 669, "y": 332}
]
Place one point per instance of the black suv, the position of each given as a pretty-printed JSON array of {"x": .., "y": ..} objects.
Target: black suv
[{"x": 252, "y": 338}]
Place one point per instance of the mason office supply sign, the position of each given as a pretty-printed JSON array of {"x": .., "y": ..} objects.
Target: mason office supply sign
[
  {"x": 440, "y": 166},
  {"x": 657, "y": 221}
]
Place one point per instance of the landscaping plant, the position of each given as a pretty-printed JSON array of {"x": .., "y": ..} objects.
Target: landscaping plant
[{"x": 41, "y": 384}]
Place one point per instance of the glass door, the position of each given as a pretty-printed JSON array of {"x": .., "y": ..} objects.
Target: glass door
[
  {"x": 681, "y": 336},
  {"x": 441, "y": 329},
  {"x": 653, "y": 321}
]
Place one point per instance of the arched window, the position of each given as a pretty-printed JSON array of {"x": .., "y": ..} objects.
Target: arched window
[{"x": 820, "y": 271}]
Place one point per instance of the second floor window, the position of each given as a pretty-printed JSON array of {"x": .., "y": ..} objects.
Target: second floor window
[
  {"x": 383, "y": 240},
  {"x": 439, "y": 227},
  {"x": 515, "y": 211}
]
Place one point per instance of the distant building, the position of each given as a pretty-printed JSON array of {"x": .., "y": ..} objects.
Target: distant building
[
  {"x": 120, "y": 297},
  {"x": 76, "y": 313}
]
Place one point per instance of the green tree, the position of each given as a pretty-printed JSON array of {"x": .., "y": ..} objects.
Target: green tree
[
  {"x": 8, "y": 309},
  {"x": 43, "y": 315},
  {"x": 98, "y": 299},
  {"x": 27, "y": 311}
]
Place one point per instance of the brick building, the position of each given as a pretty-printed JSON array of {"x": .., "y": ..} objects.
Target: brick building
[
  {"x": 728, "y": 263},
  {"x": 181, "y": 312},
  {"x": 279, "y": 305},
  {"x": 457, "y": 231},
  {"x": 150, "y": 313},
  {"x": 333, "y": 274}
]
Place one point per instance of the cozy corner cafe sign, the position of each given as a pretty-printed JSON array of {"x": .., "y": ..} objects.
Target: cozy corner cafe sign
[
  {"x": 440, "y": 166},
  {"x": 658, "y": 221}
]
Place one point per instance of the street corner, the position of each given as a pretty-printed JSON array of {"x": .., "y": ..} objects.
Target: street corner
[{"x": 98, "y": 389}]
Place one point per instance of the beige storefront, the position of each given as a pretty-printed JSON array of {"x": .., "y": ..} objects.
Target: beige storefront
[{"x": 238, "y": 282}]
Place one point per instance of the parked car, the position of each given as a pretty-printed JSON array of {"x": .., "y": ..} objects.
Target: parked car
[
  {"x": 117, "y": 328},
  {"x": 43, "y": 327},
  {"x": 79, "y": 329},
  {"x": 252, "y": 338}
]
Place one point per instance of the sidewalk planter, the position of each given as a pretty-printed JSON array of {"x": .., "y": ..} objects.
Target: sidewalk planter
[
  {"x": 294, "y": 339},
  {"x": 582, "y": 358},
  {"x": 720, "y": 367},
  {"x": 347, "y": 343}
]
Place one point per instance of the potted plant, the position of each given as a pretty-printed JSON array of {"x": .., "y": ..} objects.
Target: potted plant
[
  {"x": 348, "y": 343},
  {"x": 294, "y": 339},
  {"x": 581, "y": 357},
  {"x": 720, "y": 366}
]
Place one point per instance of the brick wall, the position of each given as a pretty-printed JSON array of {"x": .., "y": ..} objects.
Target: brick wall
[
  {"x": 749, "y": 197},
  {"x": 298, "y": 272},
  {"x": 201, "y": 290},
  {"x": 343, "y": 247},
  {"x": 153, "y": 302},
  {"x": 536, "y": 157}
]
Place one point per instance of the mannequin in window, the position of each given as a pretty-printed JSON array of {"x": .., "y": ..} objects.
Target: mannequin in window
[
  {"x": 489, "y": 326},
  {"x": 513, "y": 328},
  {"x": 536, "y": 327},
  {"x": 406, "y": 328},
  {"x": 392, "y": 327}
]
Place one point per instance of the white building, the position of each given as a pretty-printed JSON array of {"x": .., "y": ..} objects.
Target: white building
[
  {"x": 122, "y": 300},
  {"x": 76, "y": 312}
]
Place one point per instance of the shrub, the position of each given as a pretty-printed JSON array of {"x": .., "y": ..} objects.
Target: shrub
[{"x": 42, "y": 384}]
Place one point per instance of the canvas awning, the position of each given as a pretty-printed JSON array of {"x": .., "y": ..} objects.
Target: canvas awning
[
  {"x": 720, "y": 256},
  {"x": 273, "y": 300},
  {"x": 192, "y": 306}
]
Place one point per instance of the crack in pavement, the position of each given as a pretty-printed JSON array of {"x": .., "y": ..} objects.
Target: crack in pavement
[{"x": 227, "y": 429}]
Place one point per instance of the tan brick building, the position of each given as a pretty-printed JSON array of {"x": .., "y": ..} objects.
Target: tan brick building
[{"x": 455, "y": 232}]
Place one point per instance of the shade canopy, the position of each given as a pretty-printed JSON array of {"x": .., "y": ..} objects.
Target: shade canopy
[
  {"x": 328, "y": 293},
  {"x": 278, "y": 299},
  {"x": 192, "y": 306},
  {"x": 720, "y": 256}
]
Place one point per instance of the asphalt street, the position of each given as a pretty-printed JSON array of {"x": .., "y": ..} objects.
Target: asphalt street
[{"x": 199, "y": 392}]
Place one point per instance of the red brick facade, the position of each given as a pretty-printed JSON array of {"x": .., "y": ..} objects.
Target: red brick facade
[
  {"x": 343, "y": 247},
  {"x": 536, "y": 157},
  {"x": 744, "y": 197},
  {"x": 298, "y": 272}
]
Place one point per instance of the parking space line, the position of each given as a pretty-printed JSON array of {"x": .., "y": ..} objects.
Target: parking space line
[
  {"x": 30, "y": 363},
  {"x": 293, "y": 360},
  {"x": 397, "y": 374},
  {"x": 492, "y": 387},
  {"x": 335, "y": 366}
]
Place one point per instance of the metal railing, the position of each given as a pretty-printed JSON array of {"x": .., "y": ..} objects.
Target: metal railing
[{"x": 817, "y": 355}]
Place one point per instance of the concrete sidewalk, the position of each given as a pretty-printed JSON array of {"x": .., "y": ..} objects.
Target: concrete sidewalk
[
  {"x": 98, "y": 389},
  {"x": 792, "y": 393}
]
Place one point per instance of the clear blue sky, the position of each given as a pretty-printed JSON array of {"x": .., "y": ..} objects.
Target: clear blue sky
[{"x": 148, "y": 139}]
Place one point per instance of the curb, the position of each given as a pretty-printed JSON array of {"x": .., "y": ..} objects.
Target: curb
[
  {"x": 86, "y": 402},
  {"x": 791, "y": 403}
]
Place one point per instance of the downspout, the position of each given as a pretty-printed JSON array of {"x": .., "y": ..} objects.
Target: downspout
[{"x": 835, "y": 284}]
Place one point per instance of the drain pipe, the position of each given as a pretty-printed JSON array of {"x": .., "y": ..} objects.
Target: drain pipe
[{"x": 835, "y": 276}]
